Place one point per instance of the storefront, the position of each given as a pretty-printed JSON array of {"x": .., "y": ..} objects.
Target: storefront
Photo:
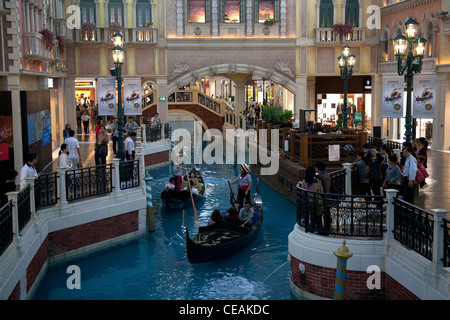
[
  {"x": 330, "y": 99},
  {"x": 85, "y": 89}
]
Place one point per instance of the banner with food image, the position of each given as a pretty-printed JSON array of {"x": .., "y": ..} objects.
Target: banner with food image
[
  {"x": 106, "y": 93},
  {"x": 392, "y": 102},
  {"x": 132, "y": 97},
  {"x": 424, "y": 96}
]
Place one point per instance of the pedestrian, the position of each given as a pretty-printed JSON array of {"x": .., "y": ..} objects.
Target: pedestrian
[
  {"x": 252, "y": 115},
  {"x": 78, "y": 114},
  {"x": 245, "y": 184},
  {"x": 130, "y": 126},
  {"x": 85, "y": 118},
  {"x": 409, "y": 174},
  {"x": 64, "y": 160},
  {"x": 8, "y": 185},
  {"x": 375, "y": 177},
  {"x": 154, "y": 121},
  {"x": 66, "y": 131},
  {"x": 97, "y": 127},
  {"x": 257, "y": 111},
  {"x": 323, "y": 176},
  {"x": 73, "y": 148},
  {"x": 311, "y": 183},
  {"x": 130, "y": 146},
  {"x": 363, "y": 174},
  {"x": 422, "y": 151},
  {"x": 101, "y": 150},
  {"x": 393, "y": 178},
  {"x": 29, "y": 169},
  {"x": 114, "y": 134}
]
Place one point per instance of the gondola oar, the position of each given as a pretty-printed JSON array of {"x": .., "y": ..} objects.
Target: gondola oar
[
  {"x": 197, "y": 221},
  {"x": 231, "y": 193}
]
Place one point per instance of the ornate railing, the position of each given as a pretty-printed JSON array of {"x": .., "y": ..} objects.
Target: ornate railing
[
  {"x": 413, "y": 227},
  {"x": 45, "y": 190},
  {"x": 349, "y": 216},
  {"x": 24, "y": 207},
  {"x": 356, "y": 181},
  {"x": 446, "y": 226},
  {"x": 88, "y": 182},
  {"x": 6, "y": 226},
  {"x": 153, "y": 132},
  {"x": 379, "y": 142},
  {"x": 129, "y": 174},
  {"x": 329, "y": 35},
  {"x": 338, "y": 181}
]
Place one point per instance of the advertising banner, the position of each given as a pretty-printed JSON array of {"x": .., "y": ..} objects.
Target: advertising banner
[
  {"x": 424, "y": 98},
  {"x": 392, "y": 103},
  {"x": 132, "y": 97},
  {"x": 106, "y": 93}
]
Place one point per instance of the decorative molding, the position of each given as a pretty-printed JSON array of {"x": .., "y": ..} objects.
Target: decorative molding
[
  {"x": 179, "y": 69},
  {"x": 284, "y": 67},
  {"x": 403, "y": 5}
]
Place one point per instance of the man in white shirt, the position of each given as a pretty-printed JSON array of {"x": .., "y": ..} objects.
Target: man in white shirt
[
  {"x": 130, "y": 126},
  {"x": 155, "y": 120},
  {"x": 130, "y": 146},
  {"x": 409, "y": 174},
  {"x": 28, "y": 170},
  {"x": 74, "y": 149}
]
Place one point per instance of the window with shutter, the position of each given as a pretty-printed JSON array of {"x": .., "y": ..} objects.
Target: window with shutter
[
  {"x": 326, "y": 13},
  {"x": 116, "y": 12},
  {"x": 87, "y": 9},
  {"x": 352, "y": 13},
  {"x": 143, "y": 13}
]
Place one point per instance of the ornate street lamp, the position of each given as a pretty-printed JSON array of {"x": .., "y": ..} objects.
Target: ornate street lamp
[
  {"x": 346, "y": 63},
  {"x": 118, "y": 57},
  {"x": 414, "y": 48}
]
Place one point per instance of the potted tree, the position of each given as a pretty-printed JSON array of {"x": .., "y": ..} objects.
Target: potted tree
[{"x": 339, "y": 123}]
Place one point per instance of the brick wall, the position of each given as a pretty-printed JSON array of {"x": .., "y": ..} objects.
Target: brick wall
[
  {"x": 320, "y": 281},
  {"x": 36, "y": 264},
  {"x": 156, "y": 158}
]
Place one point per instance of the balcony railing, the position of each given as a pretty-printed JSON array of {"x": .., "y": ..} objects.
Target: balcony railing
[
  {"x": 61, "y": 29},
  {"x": 88, "y": 182},
  {"x": 35, "y": 48},
  {"x": 144, "y": 35},
  {"x": 6, "y": 226},
  {"x": 328, "y": 35}
]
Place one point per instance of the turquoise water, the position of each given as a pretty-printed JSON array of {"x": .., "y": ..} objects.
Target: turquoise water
[{"x": 155, "y": 266}]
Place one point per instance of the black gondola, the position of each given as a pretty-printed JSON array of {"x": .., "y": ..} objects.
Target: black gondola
[
  {"x": 182, "y": 199},
  {"x": 223, "y": 239}
]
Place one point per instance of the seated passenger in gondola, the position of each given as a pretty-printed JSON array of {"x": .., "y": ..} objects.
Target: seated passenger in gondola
[
  {"x": 233, "y": 216},
  {"x": 194, "y": 190},
  {"x": 171, "y": 184},
  {"x": 246, "y": 215},
  {"x": 215, "y": 216}
]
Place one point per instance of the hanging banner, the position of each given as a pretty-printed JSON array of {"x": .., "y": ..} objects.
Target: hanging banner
[
  {"x": 424, "y": 98},
  {"x": 106, "y": 93},
  {"x": 392, "y": 103},
  {"x": 132, "y": 102}
]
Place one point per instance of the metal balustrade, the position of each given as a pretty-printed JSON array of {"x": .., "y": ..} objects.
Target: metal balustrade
[
  {"x": 129, "y": 174},
  {"x": 46, "y": 190},
  {"x": 6, "y": 226},
  {"x": 446, "y": 227},
  {"x": 88, "y": 182}
]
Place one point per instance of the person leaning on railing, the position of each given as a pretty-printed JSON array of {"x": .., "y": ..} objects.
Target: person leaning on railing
[{"x": 313, "y": 184}]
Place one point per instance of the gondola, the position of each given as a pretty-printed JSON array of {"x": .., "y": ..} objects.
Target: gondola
[
  {"x": 182, "y": 199},
  {"x": 224, "y": 239}
]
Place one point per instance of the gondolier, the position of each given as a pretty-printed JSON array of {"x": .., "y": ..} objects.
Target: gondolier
[
  {"x": 245, "y": 183},
  {"x": 179, "y": 172}
]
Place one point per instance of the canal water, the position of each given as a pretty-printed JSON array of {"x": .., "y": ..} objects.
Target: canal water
[{"x": 154, "y": 266}]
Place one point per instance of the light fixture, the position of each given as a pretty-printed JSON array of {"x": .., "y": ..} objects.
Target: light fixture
[
  {"x": 118, "y": 55},
  {"x": 412, "y": 28},
  {"x": 400, "y": 44},
  {"x": 117, "y": 39},
  {"x": 419, "y": 47}
]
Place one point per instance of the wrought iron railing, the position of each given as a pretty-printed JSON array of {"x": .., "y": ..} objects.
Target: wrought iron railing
[
  {"x": 356, "y": 181},
  {"x": 166, "y": 131},
  {"x": 24, "y": 207},
  {"x": 153, "y": 132},
  {"x": 88, "y": 182},
  {"x": 45, "y": 190},
  {"x": 374, "y": 141},
  {"x": 6, "y": 226},
  {"x": 335, "y": 214},
  {"x": 129, "y": 174},
  {"x": 413, "y": 227},
  {"x": 338, "y": 181},
  {"x": 446, "y": 226}
]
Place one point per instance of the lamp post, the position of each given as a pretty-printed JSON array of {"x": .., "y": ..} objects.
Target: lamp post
[
  {"x": 118, "y": 57},
  {"x": 346, "y": 62},
  {"x": 411, "y": 65}
]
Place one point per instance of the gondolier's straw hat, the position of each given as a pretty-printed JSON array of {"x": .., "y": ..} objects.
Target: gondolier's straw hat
[{"x": 245, "y": 167}]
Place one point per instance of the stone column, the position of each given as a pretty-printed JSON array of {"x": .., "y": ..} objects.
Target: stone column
[
  {"x": 390, "y": 195},
  {"x": 283, "y": 19},
  {"x": 377, "y": 96},
  {"x": 12, "y": 84},
  {"x": 239, "y": 99},
  {"x": 215, "y": 18},
  {"x": 249, "y": 22},
  {"x": 162, "y": 106},
  {"x": 348, "y": 177},
  {"x": 17, "y": 238},
  {"x": 438, "y": 237},
  {"x": 343, "y": 254},
  {"x": 441, "y": 131},
  {"x": 180, "y": 19},
  {"x": 300, "y": 95}
]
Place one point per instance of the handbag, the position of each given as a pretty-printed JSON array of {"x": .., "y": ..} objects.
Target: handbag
[
  {"x": 421, "y": 174},
  {"x": 320, "y": 209}
]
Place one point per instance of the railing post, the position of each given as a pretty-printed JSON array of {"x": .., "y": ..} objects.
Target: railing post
[
  {"x": 140, "y": 156},
  {"x": 163, "y": 131},
  {"x": 138, "y": 136},
  {"x": 116, "y": 176},
  {"x": 304, "y": 147},
  {"x": 348, "y": 177},
  {"x": 292, "y": 143},
  {"x": 144, "y": 133},
  {"x": 31, "y": 181},
  {"x": 17, "y": 239},
  {"x": 390, "y": 210},
  {"x": 438, "y": 237},
  {"x": 62, "y": 186}
]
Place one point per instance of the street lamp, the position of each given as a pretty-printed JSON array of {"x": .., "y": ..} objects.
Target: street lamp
[
  {"x": 118, "y": 57},
  {"x": 412, "y": 63},
  {"x": 346, "y": 62}
]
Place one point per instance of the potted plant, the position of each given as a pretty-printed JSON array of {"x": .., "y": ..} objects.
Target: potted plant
[
  {"x": 150, "y": 24},
  {"x": 342, "y": 30},
  {"x": 88, "y": 26},
  {"x": 60, "y": 44},
  {"x": 269, "y": 21},
  {"x": 49, "y": 38},
  {"x": 339, "y": 123},
  {"x": 286, "y": 118},
  {"x": 115, "y": 27}
]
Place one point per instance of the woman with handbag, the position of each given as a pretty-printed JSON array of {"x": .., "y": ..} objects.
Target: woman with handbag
[
  {"x": 101, "y": 150},
  {"x": 313, "y": 184}
]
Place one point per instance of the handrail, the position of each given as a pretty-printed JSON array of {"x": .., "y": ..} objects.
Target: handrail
[{"x": 446, "y": 226}]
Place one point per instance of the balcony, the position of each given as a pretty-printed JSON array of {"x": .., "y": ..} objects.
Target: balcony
[
  {"x": 60, "y": 27},
  {"x": 104, "y": 35},
  {"x": 87, "y": 36},
  {"x": 327, "y": 35},
  {"x": 35, "y": 48},
  {"x": 144, "y": 35}
]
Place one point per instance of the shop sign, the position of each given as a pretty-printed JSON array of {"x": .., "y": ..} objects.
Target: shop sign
[
  {"x": 358, "y": 117},
  {"x": 84, "y": 84},
  {"x": 392, "y": 103},
  {"x": 132, "y": 97},
  {"x": 334, "y": 152},
  {"x": 424, "y": 97}
]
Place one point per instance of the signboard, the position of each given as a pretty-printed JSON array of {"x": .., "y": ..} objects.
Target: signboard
[
  {"x": 358, "y": 117},
  {"x": 392, "y": 103},
  {"x": 162, "y": 98},
  {"x": 132, "y": 101},
  {"x": 424, "y": 98},
  {"x": 106, "y": 95},
  {"x": 334, "y": 152}
]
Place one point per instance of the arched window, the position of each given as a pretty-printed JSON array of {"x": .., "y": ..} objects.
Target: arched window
[
  {"x": 143, "y": 13},
  {"x": 232, "y": 11},
  {"x": 199, "y": 11},
  {"x": 115, "y": 9},
  {"x": 87, "y": 8},
  {"x": 352, "y": 13},
  {"x": 326, "y": 13},
  {"x": 429, "y": 35}
]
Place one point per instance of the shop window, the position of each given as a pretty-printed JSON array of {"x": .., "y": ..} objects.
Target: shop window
[
  {"x": 326, "y": 13},
  {"x": 115, "y": 9},
  {"x": 143, "y": 13},
  {"x": 199, "y": 11},
  {"x": 87, "y": 9},
  {"x": 267, "y": 9},
  {"x": 232, "y": 11},
  {"x": 352, "y": 13}
]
